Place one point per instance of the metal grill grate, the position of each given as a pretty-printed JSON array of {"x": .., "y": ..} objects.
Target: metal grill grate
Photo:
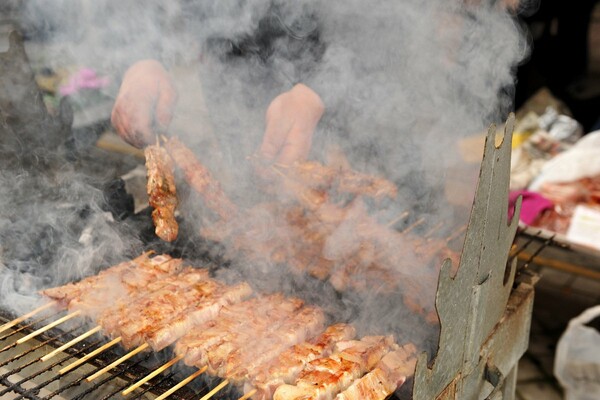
[{"x": 23, "y": 375}]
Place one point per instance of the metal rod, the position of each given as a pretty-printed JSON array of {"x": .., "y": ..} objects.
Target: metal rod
[
  {"x": 150, "y": 376},
  {"x": 215, "y": 390},
  {"x": 30, "y": 350},
  {"x": 75, "y": 382},
  {"x": 523, "y": 247},
  {"x": 90, "y": 355},
  {"x": 152, "y": 386},
  {"x": 182, "y": 383},
  {"x": 27, "y": 393},
  {"x": 538, "y": 251},
  {"x": 26, "y": 316},
  {"x": 71, "y": 343},
  {"x": 119, "y": 361},
  {"x": 248, "y": 395},
  {"x": 110, "y": 377},
  {"x": 25, "y": 327},
  {"x": 49, "y": 326}
]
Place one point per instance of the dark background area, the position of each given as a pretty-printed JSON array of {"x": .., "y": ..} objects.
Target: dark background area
[{"x": 565, "y": 57}]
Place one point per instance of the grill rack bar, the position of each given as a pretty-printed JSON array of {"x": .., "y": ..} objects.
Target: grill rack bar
[
  {"x": 40, "y": 386},
  {"x": 130, "y": 371}
]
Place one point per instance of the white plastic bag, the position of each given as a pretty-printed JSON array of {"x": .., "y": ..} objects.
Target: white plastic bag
[
  {"x": 577, "y": 360},
  {"x": 580, "y": 161}
]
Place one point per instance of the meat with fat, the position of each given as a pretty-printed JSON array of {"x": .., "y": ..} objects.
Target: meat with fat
[
  {"x": 162, "y": 193},
  {"x": 200, "y": 178}
]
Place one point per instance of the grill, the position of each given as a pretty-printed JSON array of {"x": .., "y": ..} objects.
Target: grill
[
  {"x": 23, "y": 375},
  {"x": 484, "y": 310}
]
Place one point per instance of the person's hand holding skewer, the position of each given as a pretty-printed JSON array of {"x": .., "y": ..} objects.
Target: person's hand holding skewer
[
  {"x": 290, "y": 121},
  {"x": 145, "y": 103}
]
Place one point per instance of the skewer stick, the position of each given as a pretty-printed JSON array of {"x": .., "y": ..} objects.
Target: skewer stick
[
  {"x": 397, "y": 219},
  {"x": 456, "y": 234},
  {"x": 181, "y": 384},
  {"x": 26, "y": 316},
  {"x": 434, "y": 229},
  {"x": 119, "y": 361},
  {"x": 215, "y": 390},
  {"x": 90, "y": 355},
  {"x": 150, "y": 376},
  {"x": 418, "y": 222},
  {"x": 248, "y": 395},
  {"x": 279, "y": 172},
  {"x": 71, "y": 343},
  {"x": 49, "y": 326}
]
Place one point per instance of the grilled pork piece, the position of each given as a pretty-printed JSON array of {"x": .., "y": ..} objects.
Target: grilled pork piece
[
  {"x": 287, "y": 366},
  {"x": 161, "y": 190},
  {"x": 120, "y": 280},
  {"x": 236, "y": 326},
  {"x": 242, "y": 362},
  {"x": 389, "y": 374},
  {"x": 179, "y": 299},
  {"x": 313, "y": 174},
  {"x": 132, "y": 318},
  {"x": 199, "y": 177},
  {"x": 323, "y": 378},
  {"x": 205, "y": 310}
]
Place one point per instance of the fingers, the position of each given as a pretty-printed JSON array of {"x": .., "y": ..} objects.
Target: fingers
[
  {"x": 167, "y": 99},
  {"x": 132, "y": 119},
  {"x": 145, "y": 101},
  {"x": 274, "y": 138},
  {"x": 296, "y": 146}
]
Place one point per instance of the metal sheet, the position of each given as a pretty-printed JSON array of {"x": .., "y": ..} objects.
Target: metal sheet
[{"x": 471, "y": 304}]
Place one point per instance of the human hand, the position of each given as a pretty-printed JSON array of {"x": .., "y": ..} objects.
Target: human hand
[
  {"x": 290, "y": 120},
  {"x": 144, "y": 105}
]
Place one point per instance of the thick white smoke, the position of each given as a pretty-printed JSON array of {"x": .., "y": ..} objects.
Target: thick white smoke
[{"x": 402, "y": 81}]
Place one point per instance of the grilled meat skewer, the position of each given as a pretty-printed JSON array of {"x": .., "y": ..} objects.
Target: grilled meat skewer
[
  {"x": 121, "y": 280},
  {"x": 161, "y": 190},
  {"x": 200, "y": 178},
  {"x": 381, "y": 382},
  {"x": 323, "y": 378},
  {"x": 289, "y": 364}
]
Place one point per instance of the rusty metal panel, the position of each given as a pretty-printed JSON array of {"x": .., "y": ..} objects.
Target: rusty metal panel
[
  {"x": 471, "y": 303},
  {"x": 450, "y": 392}
]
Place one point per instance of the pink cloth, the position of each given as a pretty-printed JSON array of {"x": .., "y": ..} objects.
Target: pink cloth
[
  {"x": 85, "y": 78},
  {"x": 532, "y": 206}
]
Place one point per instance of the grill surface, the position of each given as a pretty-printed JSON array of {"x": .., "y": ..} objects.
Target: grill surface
[{"x": 24, "y": 376}]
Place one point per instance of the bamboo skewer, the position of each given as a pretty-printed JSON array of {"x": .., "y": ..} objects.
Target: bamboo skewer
[
  {"x": 90, "y": 355},
  {"x": 71, "y": 343},
  {"x": 181, "y": 384},
  {"x": 248, "y": 395},
  {"x": 433, "y": 230},
  {"x": 397, "y": 219},
  {"x": 418, "y": 222},
  {"x": 215, "y": 390},
  {"x": 119, "y": 361},
  {"x": 49, "y": 326},
  {"x": 456, "y": 234},
  {"x": 26, "y": 316},
  {"x": 150, "y": 376}
]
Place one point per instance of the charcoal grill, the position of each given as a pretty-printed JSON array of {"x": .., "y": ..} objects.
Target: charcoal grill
[
  {"x": 24, "y": 376},
  {"x": 484, "y": 311}
]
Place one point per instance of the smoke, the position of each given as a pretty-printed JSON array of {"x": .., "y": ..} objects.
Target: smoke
[{"x": 402, "y": 83}]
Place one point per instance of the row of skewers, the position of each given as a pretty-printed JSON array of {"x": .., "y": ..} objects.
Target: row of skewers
[
  {"x": 304, "y": 227},
  {"x": 269, "y": 346}
]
